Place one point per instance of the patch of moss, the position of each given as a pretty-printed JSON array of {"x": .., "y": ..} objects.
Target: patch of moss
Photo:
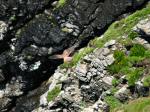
[
  {"x": 12, "y": 18},
  {"x": 65, "y": 29},
  {"x": 76, "y": 57},
  {"x": 122, "y": 27},
  {"x": 112, "y": 102},
  {"x": 139, "y": 105},
  {"x": 146, "y": 81},
  {"x": 53, "y": 94},
  {"x": 61, "y": 3}
]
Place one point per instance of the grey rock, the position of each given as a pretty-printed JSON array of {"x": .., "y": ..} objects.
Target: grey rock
[
  {"x": 108, "y": 80},
  {"x": 110, "y": 43},
  {"x": 144, "y": 25},
  {"x": 123, "y": 93},
  {"x": 3, "y": 29},
  {"x": 140, "y": 90}
]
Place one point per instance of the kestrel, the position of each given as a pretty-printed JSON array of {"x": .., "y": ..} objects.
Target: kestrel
[{"x": 66, "y": 54}]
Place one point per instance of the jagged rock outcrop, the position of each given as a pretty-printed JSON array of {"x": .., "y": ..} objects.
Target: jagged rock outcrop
[
  {"x": 92, "y": 86},
  {"x": 30, "y": 33}
]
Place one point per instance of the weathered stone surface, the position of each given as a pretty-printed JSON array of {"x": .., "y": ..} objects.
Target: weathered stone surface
[
  {"x": 122, "y": 94},
  {"x": 144, "y": 25},
  {"x": 108, "y": 80},
  {"x": 27, "y": 39}
]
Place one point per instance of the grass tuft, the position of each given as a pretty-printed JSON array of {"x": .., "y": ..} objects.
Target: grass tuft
[
  {"x": 112, "y": 102},
  {"x": 53, "y": 94},
  {"x": 146, "y": 81},
  {"x": 139, "y": 105},
  {"x": 76, "y": 57}
]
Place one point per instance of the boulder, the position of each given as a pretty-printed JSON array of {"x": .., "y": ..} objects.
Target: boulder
[{"x": 122, "y": 94}]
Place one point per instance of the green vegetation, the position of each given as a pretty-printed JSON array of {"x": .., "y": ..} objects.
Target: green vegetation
[
  {"x": 137, "y": 50},
  {"x": 146, "y": 81},
  {"x": 139, "y": 105},
  {"x": 133, "y": 35},
  {"x": 134, "y": 59},
  {"x": 134, "y": 75},
  {"x": 119, "y": 55},
  {"x": 122, "y": 27},
  {"x": 112, "y": 102},
  {"x": 12, "y": 18},
  {"x": 53, "y": 94},
  {"x": 124, "y": 64},
  {"x": 77, "y": 56},
  {"x": 120, "y": 62},
  {"x": 115, "y": 82},
  {"x": 113, "y": 90},
  {"x": 61, "y": 3},
  {"x": 147, "y": 54}
]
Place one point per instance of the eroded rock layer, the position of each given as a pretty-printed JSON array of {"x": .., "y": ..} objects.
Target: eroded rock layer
[{"x": 31, "y": 31}]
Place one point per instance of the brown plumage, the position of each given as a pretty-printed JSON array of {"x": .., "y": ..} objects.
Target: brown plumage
[{"x": 66, "y": 54}]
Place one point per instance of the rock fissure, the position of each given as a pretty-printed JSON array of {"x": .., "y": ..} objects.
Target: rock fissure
[{"x": 24, "y": 58}]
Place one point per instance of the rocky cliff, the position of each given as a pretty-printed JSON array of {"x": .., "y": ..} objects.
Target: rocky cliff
[{"x": 32, "y": 32}]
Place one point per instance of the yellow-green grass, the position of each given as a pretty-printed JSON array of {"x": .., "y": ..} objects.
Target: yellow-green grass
[
  {"x": 139, "y": 105},
  {"x": 53, "y": 94},
  {"x": 122, "y": 27},
  {"x": 61, "y": 3}
]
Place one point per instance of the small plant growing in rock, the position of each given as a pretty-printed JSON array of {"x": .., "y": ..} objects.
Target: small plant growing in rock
[
  {"x": 119, "y": 55},
  {"x": 53, "y": 94},
  {"x": 112, "y": 102},
  {"x": 115, "y": 82},
  {"x": 113, "y": 90},
  {"x": 61, "y": 3},
  {"x": 120, "y": 62},
  {"x": 146, "y": 81},
  {"x": 134, "y": 75},
  {"x": 137, "y": 50}
]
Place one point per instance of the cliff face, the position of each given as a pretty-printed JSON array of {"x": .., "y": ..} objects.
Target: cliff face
[
  {"x": 33, "y": 30},
  {"x": 111, "y": 74}
]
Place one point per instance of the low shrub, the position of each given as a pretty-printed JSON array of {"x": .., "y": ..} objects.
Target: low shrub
[
  {"x": 134, "y": 75},
  {"x": 120, "y": 62},
  {"x": 137, "y": 50},
  {"x": 115, "y": 82}
]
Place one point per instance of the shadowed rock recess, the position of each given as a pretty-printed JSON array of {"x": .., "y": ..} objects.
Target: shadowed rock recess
[{"x": 33, "y": 30}]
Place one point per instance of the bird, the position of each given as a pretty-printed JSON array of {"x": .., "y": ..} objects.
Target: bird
[{"x": 65, "y": 55}]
